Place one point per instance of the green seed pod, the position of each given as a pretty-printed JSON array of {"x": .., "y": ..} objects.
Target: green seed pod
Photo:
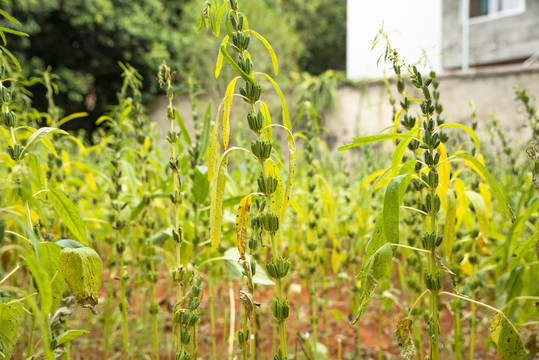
[
  {"x": 241, "y": 339},
  {"x": 185, "y": 337},
  {"x": 271, "y": 269},
  {"x": 428, "y": 81},
  {"x": 154, "y": 309},
  {"x": 233, "y": 21},
  {"x": 426, "y": 92}
]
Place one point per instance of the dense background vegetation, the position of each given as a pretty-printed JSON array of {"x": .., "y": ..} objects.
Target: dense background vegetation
[{"x": 82, "y": 41}]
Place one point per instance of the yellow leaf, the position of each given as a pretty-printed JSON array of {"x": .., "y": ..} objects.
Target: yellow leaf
[
  {"x": 449, "y": 228},
  {"x": 65, "y": 160},
  {"x": 466, "y": 266},
  {"x": 443, "y": 169},
  {"x": 91, "y": 181},
  {"x": 482, "y": 245},
  {"x": 147, "y": 144},
  {"x": 335, "y": 261},
  {"x": 226, "y": 110},
  {"x": 242, "y": 223},
  {"x": 487, "y": 196},
  {"x": 396, "y": 124}
]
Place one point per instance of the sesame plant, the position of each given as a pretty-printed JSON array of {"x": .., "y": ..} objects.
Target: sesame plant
[
  {"x": 273, "y": 199},
  {"x": 431, "y": 173}
]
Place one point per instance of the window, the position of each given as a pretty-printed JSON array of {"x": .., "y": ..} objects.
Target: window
[{"x": 488, "y": 9}]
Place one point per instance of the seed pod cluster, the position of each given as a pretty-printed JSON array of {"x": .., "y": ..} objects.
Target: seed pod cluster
[
  {"x": 278, "y": 269},
  {"x": 261, "y": 149},
  {"x": 280, "y": 309},
  {"x": 267, "y": 186},
  {"x": 255, "y": 121},
  {"x": 9, "y": 118},
  {"x": 251, "y": 92}
]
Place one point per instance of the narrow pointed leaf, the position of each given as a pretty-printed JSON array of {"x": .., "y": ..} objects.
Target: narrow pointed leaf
[
  {"x": 270, "y": 50},
  {"x": 227, "y": 107}
]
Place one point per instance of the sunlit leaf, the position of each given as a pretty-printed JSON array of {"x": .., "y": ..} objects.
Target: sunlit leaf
[{"x": 242, "y": 223}]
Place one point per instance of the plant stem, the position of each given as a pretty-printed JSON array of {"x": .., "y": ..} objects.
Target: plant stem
[
  {"x": 432, "y": 268},
  {"x": 314, "y": 318},
  {"x": 212, "y": 321},
  {"x": 458, "y": 330}
]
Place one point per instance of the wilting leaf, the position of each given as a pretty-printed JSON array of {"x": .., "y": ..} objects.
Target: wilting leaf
[
  {"x": 404, "y": 339},
  {"x": 11, "y": 315},
  {"x": 81, "y": 269},
  {"x": 216, "y": 206},
  {"x": 242, "y": 223},
  {"x": 227, "y": 107},
  {"x": 507, "y": 339}
]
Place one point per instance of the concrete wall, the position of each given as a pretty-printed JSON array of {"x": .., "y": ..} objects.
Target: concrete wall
[
  {"x": 366, "y": 110},
  {"x": 496, "y": 40}
]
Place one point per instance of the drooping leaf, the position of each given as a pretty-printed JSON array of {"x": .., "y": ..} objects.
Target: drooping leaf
[
  {"x": 40, "y": 279},
  {"x": 443, "y": 169},
  {"x": 81, "y": 269},
  {"x": 470, "y": 132},
  {"x": 392, "y": 202},
  {"x": 68, "y": 213},
  {"x": 286, "y": 114},
  {"x": 494, "y": 186},
  {"x": 480, "y": 209},
  {"x": 226, "y": 110},
  {"x": 37, "y": 136},
  {"x": 242, "y": 223},
  {"x": 370, "y": 139},
  {"x": 277, "y": 196},
  {"x": 219, "y": 63},
  {"x": 216, "y": 206},
  {"x": 11, "y": 315},
  {"x": 235, "y": 66},
  {"x": 403, "y": 333},
  {"x": 266, "y": 134},
  {"x": 213, "y": 156},
  {"x": 70, "y": 117},
  {"x": 376, "y": 268},
  {"x": 399, "y": 150},
  {"x": 270, "y": 50},
  {"x": 508, "y": 341}
]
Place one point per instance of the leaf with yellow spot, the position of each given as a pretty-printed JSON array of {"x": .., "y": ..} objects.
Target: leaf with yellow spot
[
  {"x": 242, "y": 223},
  {"x": 227, "y": 107},
  {"x": 466, "y": 266},
  {"x": 277, "y": 197},
  {"x": 482, "y": 245}
]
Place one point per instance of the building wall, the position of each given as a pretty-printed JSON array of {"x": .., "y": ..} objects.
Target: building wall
[
  {"x": 414, "y": 27},
  {"x": 492, "y": 41},
  {"x": 365, "y": 110}
]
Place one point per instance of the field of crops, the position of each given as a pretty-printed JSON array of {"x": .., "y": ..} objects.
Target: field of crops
[{"x": 253, "y": 240}]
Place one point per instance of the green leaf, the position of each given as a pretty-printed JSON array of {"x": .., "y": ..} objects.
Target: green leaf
[
  {"x": 201, "y": 187},
  {"x": 405, "y": 340},
  {"x": 14, "y": 32},
  {"x": 41, "y": 280},
  {"x": 183, "y": 129},
  {"x": 38, "y": 135},
  {"x": 70, "y": 335},
  {"x": 392, "y": 202},
  {"x": 13, "y": 58},
  {"x": 11, "y": 315},
  {"x": 50, "y": 255},
  {"x": 38, "y": 177},
  {"x": 339, "y": 316},
  {"x": 9, "y": 17},
  {"x": 203, "y": 141},
  {"x": 508, "y": 341},
  {"x": 399, "y": 150},
  {"x": 494, "y": 186},
  {"x": 81, "y": 269},
  {"x": 376, "y": 268},
  {"x": 235, "y": 66},
  {"x": 234, "y": 269},
  {"x": 270, "y": 50},
  {"x": 216, "y": 206},
  {"x": 69, "y": 214},
  {"x": 470, "y": 132},
  {"x": 370, "y": 139},
  {"x": 286, "y": 114}
]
